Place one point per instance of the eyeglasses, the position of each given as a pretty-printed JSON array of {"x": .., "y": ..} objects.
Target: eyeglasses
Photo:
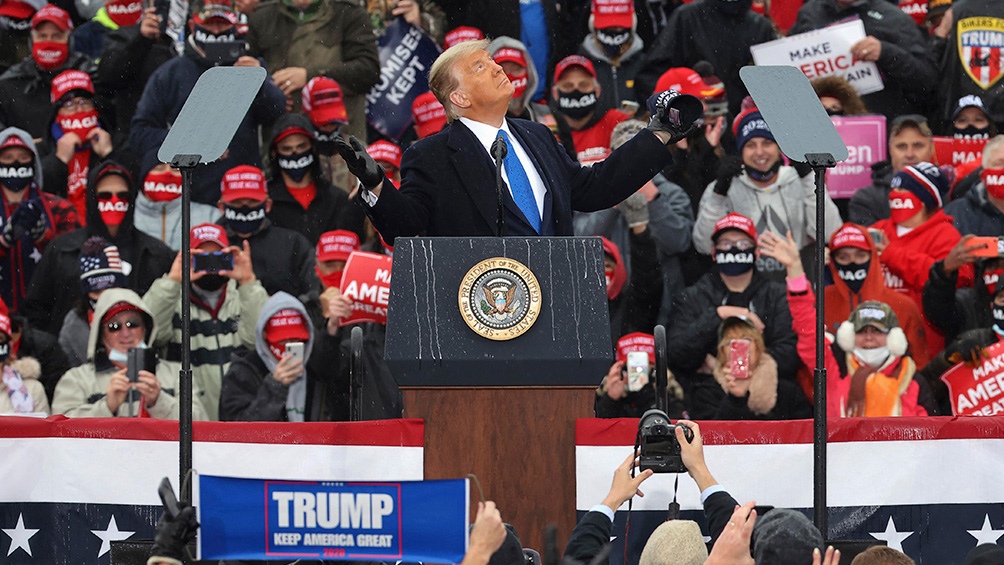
[
  {"x": 82, "y": 103},
  {"x": 114, "y": 327},
  {"x": 741, "y": 245},
  {"x": 109, "y": 195}
]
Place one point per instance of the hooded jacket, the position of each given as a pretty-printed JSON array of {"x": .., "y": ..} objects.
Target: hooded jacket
[
  {"x": 162, "y": 220},
  {"x": 216, "y": 332},
  {"x": 19, "y": 262},
  {"x": 955, "y": 81},
  {"x": 636, "y": 302},
  {"x": 56, "y": 289},
  {"x": 82, "y": 390},
  {"x": 906, "y": 63},
  {"x": 975, "y": 214},
  {"x": 616, "y": 80},
  {"x": 841, "y": 300},
  {"x": 160, "y": 105},
  {"x": 519, "y": 107},
  {"x": 330, "y": 209},
  {"x": 24, "y": 93},
  {"x": 955, "y": 310},
  {"x": 251, "y": 394},
  {"x": 788, "y": 204},
  {"x": 337, "y": 42},
  {"x": 705, "y": 30}
]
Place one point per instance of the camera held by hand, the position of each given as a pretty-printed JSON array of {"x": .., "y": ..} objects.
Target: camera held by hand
[{"x": 660, "y": 450}]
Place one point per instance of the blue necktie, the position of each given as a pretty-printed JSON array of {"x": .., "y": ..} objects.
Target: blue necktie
[{"x": 519, "y": 184}]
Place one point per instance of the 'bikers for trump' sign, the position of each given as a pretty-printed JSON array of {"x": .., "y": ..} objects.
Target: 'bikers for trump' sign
[
  {"x": 366, "y": 280},
  {"x": 822, "y": 53},
  {"x": 979, "y": 390},
  {"x": 267, "y": 519}
]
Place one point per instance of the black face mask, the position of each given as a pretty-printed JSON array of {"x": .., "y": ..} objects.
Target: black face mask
[
  {"x": 612, "y": 40},
  {"x": 211, "y": 283},
  {"x": 17, "y": 176},
  {"x": 763, "y": 176},
  {"x": 297, "y": 165},
  {"x": 325, "y": 142},
  {"x": 576, "y": 104},
  {"x": 972, "y": 132},
  {"x": 853, "y": 274},
  {"x": 998, "y": 312},
  {"x": 830, "y": 112},
  {"x": 4, "y": 352},
  {"x": 18, "y": 27},
  {"x": 734, "y": 262},
  {"x": 245, "y": 219},
  {"x": 734, "y": 7}
]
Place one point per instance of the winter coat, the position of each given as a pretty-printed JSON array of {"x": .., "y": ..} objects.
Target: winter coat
[
  {"x": 907, "y": 261},
  {"x": 89, "y": 38},
  {"x": 931, "y": 374},
  {"x": 57, "y": 287},
  {"x": 519, "y": 107},
  {"x": 381, "y": 397},
  {"x": 24, "y": 93},
  {"x": 282, "y": 258},
  {"x": 19, "y": 263},
  {"x": 127, "y": 62},
  {"x": 163, "y": 97},
  {"x": 616, "y": 80},
  {"x": 906, "y": 64},
  {"x": 955, "y": 81},
  {"x": 693, "y": 327},
  {"x": 73, "y": 337},
  {"x": 250, "y": 393},
  {"x": 635, "y": 308},
  {"x": 669, "y": 221},
  {"x": 381, "y": 13},
  {"x": 975, "y": 214},
  {"x": 871, "y": 203},
  {"x": 337, "y": 42},
  {"x": 840, "y": 301},
  {"x": 215, "y": 333},
  {"x": 702, "y": 31},
  {"x": 30, "y": 371},
  {"x": 42, "y": 347},
  {"x": 768, "y": 398},
  {"x": 954, "y": 309},
  {"x": 82, "y": 390},
  {"x": 915, "y": 398}
]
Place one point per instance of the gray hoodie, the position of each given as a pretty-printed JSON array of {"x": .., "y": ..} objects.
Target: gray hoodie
[
  {"x": 297, "y": 398},
  {"x": 25, "y": 137},
  {"x": 518, "y": 105}
]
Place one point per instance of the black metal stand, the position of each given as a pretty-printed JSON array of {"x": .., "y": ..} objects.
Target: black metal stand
[
  {"x": 356, "y": 370},
  {"x": 661, "y": 366},
  {"x": 187, "y": 164},
  {"x": 819, "y": 163}
]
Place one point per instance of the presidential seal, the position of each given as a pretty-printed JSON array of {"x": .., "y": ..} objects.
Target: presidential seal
[{"x": 499, "y": 298}]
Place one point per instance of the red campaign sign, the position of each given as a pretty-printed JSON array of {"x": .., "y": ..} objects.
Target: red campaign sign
[
  {"x": 366, "y": 280},
  {"x": 978, "y": 391},
  {"x": 956, "y": 152}
]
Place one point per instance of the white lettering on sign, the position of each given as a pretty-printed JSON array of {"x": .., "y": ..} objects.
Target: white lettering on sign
[{"x": 332, "y": 509}]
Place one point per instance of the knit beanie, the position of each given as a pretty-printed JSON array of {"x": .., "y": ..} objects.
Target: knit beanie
[
  {"x": 986, "y": 554},
  {"x": 784, "y": 537},
  {"x": 676, "y": 542},
  {"x": 750, "y": 124},
  {"x": 100, "y": 266},
  {"x": 925, "y": 181}
]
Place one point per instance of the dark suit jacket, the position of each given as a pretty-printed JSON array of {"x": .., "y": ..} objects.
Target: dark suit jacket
[{"x": 448, "y": 184}]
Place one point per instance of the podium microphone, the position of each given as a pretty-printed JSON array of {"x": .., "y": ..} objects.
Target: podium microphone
[{"x": 499, "y": 151}]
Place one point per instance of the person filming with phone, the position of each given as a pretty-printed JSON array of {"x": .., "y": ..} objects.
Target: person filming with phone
[
  {"x": 286, "y": 377},
  {"x": 123, "y": 377},
  {"x": 225, "y": 302}
]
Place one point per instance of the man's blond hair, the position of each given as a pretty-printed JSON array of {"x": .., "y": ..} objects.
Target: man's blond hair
[
  {"x": 443, "y": 79},
  {"x": 880, "y": 555}
]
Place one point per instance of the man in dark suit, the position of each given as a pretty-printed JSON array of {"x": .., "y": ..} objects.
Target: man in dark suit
[{"x": 448, "y": 185}]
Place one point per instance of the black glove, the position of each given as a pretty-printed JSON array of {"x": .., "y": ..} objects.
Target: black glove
[
  {"x": 729, "y": 168},
  {"x": 803, "y": 169},
  {"x": 674, "y": 113},
  {"x": 173, "y": 535},
  {"x": 24, "y": 220},
  {"x": 968, "y": 349},
  {"x": 360, "y": 164}
]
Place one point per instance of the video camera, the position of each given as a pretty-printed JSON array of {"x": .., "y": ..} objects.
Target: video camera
[{"x": 659, "y": 448}]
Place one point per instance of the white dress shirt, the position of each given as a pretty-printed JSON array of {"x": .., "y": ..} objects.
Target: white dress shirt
[{"x": 486, "y": 134}]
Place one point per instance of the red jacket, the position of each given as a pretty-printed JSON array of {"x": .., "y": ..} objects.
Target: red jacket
[
  {"x": 908, "y": 259},
  {"x": 840, "y": 300}
]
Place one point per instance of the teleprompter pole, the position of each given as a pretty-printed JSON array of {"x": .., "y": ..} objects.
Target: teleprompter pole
[
  {"x": 819, "y": 163},
  {"x": 187, "y": 164}
]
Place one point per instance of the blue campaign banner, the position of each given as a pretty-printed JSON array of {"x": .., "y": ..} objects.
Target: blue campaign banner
[
  {"x": 333, "y": 521},
  {"x": 406, "y": 55}
]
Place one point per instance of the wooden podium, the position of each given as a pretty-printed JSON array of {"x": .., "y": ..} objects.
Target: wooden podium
[{"x": 502, "y": 409}]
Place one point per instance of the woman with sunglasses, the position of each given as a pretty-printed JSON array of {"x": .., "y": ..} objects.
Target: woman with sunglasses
[{"x": 101, "y": 388}]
